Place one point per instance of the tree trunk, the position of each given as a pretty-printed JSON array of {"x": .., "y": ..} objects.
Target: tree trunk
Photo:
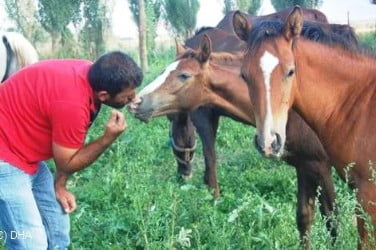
[
  {"x": 54, "y": 40},
  {"x": 142, "y": 36}
]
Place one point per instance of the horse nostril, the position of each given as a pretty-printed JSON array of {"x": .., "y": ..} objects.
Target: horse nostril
[
  {"x": 259, "y": 145},
  {"x": 140, "y": 100},
  {"x": 135, "y": 103},
  {"x": 277, "y": 143}
]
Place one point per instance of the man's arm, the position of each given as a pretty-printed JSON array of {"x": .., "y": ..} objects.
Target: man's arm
[{"x": 70, "y": 160}]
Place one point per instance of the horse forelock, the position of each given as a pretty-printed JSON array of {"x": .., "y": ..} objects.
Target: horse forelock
[{"x": 263, "y": 31}]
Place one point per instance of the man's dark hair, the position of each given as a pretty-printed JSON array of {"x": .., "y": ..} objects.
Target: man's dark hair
[{"x": 113, "y": 72}]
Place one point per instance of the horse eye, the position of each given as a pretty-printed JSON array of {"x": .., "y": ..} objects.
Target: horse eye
[
  {"x": 243, "y": 77},
  {"x": 183, "y": 76},
  {"x": 290, "y": 73}
]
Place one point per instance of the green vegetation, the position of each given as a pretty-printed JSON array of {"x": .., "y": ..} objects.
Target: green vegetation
[
  {"x": 282, "y": 4},
  {"x": 130, "y": 197},
  {"x": 249, "y": 6},
  {"x": 369, "y": 39}
]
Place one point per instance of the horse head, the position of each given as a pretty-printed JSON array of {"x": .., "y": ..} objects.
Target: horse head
[
  {"x": 269, "y": 70},
  {"x": 181, "y": 86}
]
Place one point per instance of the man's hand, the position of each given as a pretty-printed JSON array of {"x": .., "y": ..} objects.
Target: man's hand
[
  {"x": 70, "y": 160},
  {"x": 66, "y": 199},
  {"x": 115, "y": 125}
]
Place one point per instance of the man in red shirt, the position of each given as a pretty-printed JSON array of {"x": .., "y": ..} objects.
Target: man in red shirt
[{"x": 45, "y": 112}]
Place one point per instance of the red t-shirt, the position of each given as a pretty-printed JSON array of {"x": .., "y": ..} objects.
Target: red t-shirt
[{"x": 50, "y": 101}]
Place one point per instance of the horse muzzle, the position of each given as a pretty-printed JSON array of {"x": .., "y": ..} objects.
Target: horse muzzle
[
  {"x": 141, "y": 109},
  {"x": 271, "y": 149}
]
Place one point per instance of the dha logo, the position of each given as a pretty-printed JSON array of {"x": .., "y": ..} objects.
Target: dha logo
[{"x": 21, "y": 235}]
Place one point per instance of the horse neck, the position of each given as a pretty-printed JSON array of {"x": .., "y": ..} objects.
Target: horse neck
[
  {"x": 228, "y": 91},
  {"x": 332, "y": 87}
]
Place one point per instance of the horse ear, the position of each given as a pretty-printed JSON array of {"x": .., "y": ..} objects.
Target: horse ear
[
  {"x": 241, "y": 25},
  {"x": 179, "y": 48},
  {"x": 294, "y": 23},
  {"x": 205, "y": 49}
]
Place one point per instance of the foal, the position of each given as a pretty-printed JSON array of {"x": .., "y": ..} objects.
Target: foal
[{"x": 330, "y": 84}]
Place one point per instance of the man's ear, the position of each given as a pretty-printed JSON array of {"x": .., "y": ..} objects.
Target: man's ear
[{"x": 102, "y": 95}]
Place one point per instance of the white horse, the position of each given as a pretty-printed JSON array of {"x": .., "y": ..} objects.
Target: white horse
[{"x": 16, "y": 52}]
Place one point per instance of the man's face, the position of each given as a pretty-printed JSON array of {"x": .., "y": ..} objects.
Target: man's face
[{"x": 121, "y": 99}]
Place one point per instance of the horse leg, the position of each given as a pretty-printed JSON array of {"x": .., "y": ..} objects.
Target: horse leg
[
  {"x": 327, "y": 197},
  {"x": 306, "y": 205},
  {"x": 183, "y": 143},
  {"x": 206, "y": 122},
  {"x": 366, "y": 196},
  {"x": 313, "y": 171},
  {"x": 311, "y": 175}
]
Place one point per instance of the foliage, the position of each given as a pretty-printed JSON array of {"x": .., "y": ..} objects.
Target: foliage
[
  {"x": 23, "y": 13},
  {"x": 153, "y": 13},
  {"x": 181, "y": 15},
  {"x": 228, "y": 6},
  {"x": 254, "y": 6},
  {"x": 154, "y": 6},
  {"x": 249, "y": 6},
  {"x": 283, "y": 4},
  {"x": 55, "y": 15},
  {"x": 369, "y": 40},
  {"x": 53, "y": 20},
  {"x": 94, "y": 15}
]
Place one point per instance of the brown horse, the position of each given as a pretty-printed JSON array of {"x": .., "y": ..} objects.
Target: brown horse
[
  {"x": 309, "y": 14},
  {"x": 333, "y": 87},
  {"x": 201, "y": 78},
  {"x": 233, "y": 44}
]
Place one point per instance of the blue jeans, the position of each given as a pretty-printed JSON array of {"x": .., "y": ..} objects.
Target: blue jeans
[{"x": 30, "y": 216}]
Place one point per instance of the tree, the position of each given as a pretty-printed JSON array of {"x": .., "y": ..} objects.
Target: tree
[
  {"x": 181, "y": 15},
  {"x": 283, "y": 4},
  {"x": 249, "y": 6},
  {"x": 229, "y": 5},
  {"x": 96, "y": 22},
  {"x": 152, "y": 15},
  {"x": 146, "y": 15},
  {"x": 55, "y": 15},
  {"x": 23, "y": 13},
  {"x": 142, "y": 35}
]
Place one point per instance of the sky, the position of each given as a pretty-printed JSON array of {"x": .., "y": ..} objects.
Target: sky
[{"x": 210, "y": 13}]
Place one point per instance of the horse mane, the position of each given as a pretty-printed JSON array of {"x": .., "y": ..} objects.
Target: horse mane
[
  {"x": 216, "y": 57},
  {"x": 227, "y": 58},
  {"x": 22, "y": 48},
  {"x": 337, "y": 34},
  {"x": 330, "y": 34},
  {"x": 202, "y": 29}
]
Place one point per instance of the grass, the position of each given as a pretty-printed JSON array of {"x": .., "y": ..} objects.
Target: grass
[{"x": 130, "y": 197}]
